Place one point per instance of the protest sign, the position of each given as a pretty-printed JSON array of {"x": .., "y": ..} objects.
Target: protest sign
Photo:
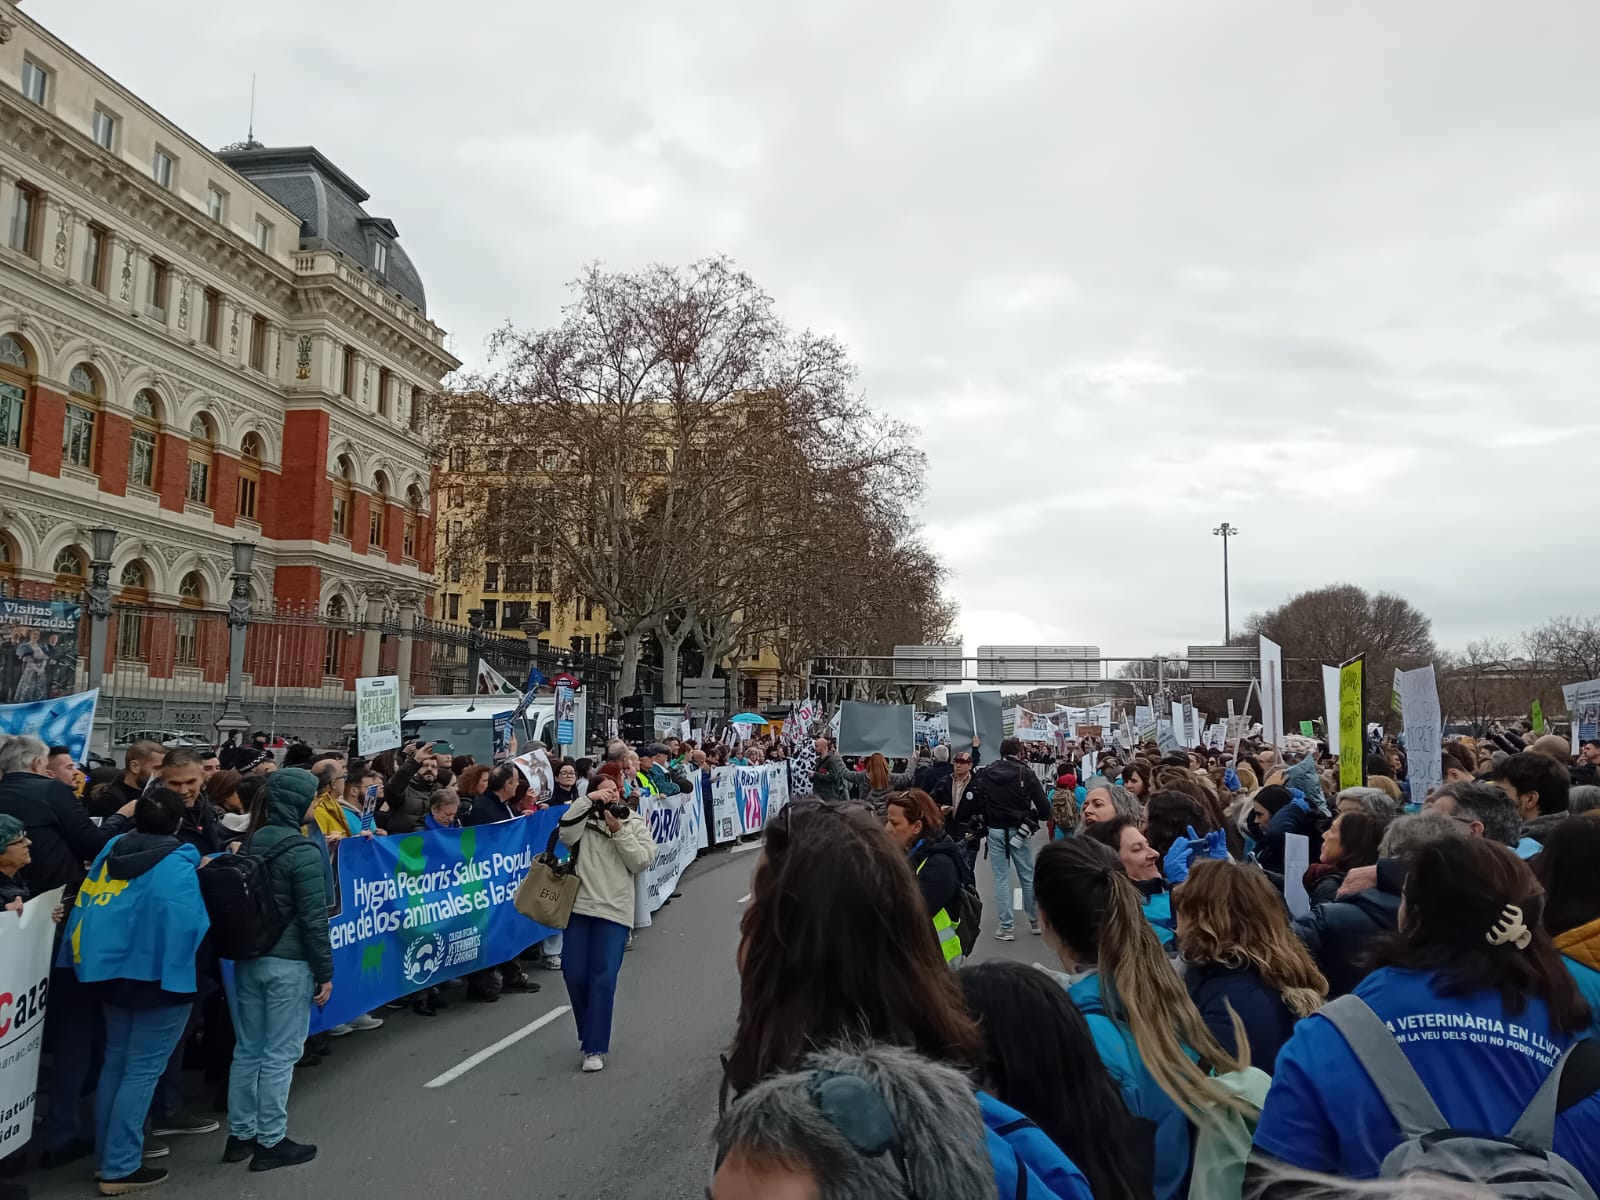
[
  {"x": 38, "y": 649},
  {"x": 1296, "y": 861},
  {"x": 26, "y": 940},
  {"x": 566, "y": 710},
  {"x": 1352, "y": 761},
  {"x": 876, "y": 729},
  {"x": 1032, "y": 727},
  {"x": 976, "y": 714},
  {"x": 1330, "y": 706},
  {"x": 1272, "y": 691},
  {"x": 675, "y": 827},
  {"x": 63, "y": 721},
  {"x": 1308, "y": 729},
  {"x": 425, "y": 907},
  {"x": 744, "y": 799},
  {"x": 1166, "y": 739},
  {"x": 1419, "y": 710},
  {"x": 377, "y": 714},
  {"x": 1583, "y": 707},
  {"x": 1536, "y": 716}
]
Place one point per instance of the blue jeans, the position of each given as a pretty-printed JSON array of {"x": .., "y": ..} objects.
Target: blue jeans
[
  {"x": 1009, "y": 848},
  {"x": 138, "y": 1043},
  {"x": 75, "y": 1035},
  {"x": 590, "y": 961},
  {"x": 271, "y": 1016}
]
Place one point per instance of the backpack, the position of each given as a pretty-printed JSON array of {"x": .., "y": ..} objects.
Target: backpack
[
  {"x": 1518, "y": 1166},
  {"x": 1222, "y": 1141},
  {"x": 1027, "y": 1164},
  {"x": 969, "y": 918},
  {"x": 246, "y": 921}
]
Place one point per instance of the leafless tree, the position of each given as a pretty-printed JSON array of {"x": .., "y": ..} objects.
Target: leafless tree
[
  {"x": 1487, "y": 680},
  {"x": 1567, "y": 647}
]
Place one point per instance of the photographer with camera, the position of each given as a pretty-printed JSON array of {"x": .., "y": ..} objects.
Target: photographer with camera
[
  {"x": 1009, "y": 802},
  {"x": 613, "y": 844}
]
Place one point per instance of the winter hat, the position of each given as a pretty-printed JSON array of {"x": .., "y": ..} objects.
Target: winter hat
[
  {"x": 1273, "y": 797},
  {"x": 10, "y": 829}
]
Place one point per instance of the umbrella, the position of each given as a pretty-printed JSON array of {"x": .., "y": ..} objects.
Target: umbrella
[{"x": 747, "y": 719}]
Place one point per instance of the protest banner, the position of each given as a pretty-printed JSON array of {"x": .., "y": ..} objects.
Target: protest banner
[
  {"x": 26, "y": 940},
  {"x": 976, "y": 714},
  {"x": 1536, "y": 716},
  {"x": 1271, "y": 691},
  {"x": 62, "y": 721},
  {"x": 566, "y": 709},
  {"x": 675, "y": 827},
  {"x": 377, "y": 714},
  {"x": 1419, "y": 711},
  {"x": 1352, "y": 762},
  {"x": 1583, "y": 707},
  {"x": 1166, "y": 739},
  {"x": 39, "y": 650},
  {"x": 425, "y": 907},
  {"x": 744, "y": 799},
  {"x": 1296, "y": 861},
  {"x": 1031, "y": 726},
  {"x": 1330, "y": 706}
]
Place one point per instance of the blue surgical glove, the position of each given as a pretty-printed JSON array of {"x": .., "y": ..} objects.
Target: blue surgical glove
[
  {"x": 1181, "y": 854},
  {"x": 1216, "y": 845},
  {"x": 1300, "y": 800},
  {"x": 1230, "y": 780}
]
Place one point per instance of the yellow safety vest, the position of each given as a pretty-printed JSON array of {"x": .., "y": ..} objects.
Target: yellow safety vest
[{"x": 949, "y": 938}]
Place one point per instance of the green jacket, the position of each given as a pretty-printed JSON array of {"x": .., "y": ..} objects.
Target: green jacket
[{"x": 299, "y": 879}]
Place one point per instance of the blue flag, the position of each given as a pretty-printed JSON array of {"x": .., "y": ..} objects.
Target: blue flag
[
  {"x": 536, "y": 678},
  {"x": 64, "y": 721}
]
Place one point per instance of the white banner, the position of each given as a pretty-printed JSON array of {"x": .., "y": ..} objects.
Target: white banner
[
  {"x": 1330, "y": 706},
  {"x": 1419, "y": 711},
  {"x": 25, "y": 943},
  {"x": 744, "y": 799},
  {"x": 1272, "y": 691},
  {"x": 674, "y": 824},
  {"x": 377, "y": 714},
  {"x": 1583, "y": 708}
]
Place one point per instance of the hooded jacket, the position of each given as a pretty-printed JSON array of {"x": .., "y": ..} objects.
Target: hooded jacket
[
  {"x": 1007, "y": 795},
  {"x": 138, "y": 922},
  {"x": 298, "y": 875},
  {"x": 607, "y": 862},
  {"x": 940, "y": 870}
]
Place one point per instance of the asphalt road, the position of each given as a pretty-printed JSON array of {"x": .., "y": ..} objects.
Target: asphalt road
[{"x": 523, "y": 1120}]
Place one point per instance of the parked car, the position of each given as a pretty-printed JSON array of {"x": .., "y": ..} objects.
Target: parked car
[{"x": 167, "y": 737}]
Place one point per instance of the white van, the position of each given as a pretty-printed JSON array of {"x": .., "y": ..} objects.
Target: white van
[{"x": 482, "y": 726}]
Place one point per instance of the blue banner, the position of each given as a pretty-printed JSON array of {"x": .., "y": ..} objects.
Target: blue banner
[
  {"x": 566, "y": 705},
  {"x": 64, "y": 721},
  {"x": 418, "y": 909}
]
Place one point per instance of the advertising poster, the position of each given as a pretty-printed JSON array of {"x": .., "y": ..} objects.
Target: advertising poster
[{"x": 39, "y": 650}]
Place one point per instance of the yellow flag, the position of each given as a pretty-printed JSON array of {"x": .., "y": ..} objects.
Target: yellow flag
[{"x": 1352, "y": 739}]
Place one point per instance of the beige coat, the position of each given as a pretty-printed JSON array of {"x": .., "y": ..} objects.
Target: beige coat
[{"x": 607, "y": 862}]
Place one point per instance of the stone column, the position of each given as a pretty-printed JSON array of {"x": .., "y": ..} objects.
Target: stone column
[
  {"x": 372, "y": 635},
  {"x": 408, "y": 625}
]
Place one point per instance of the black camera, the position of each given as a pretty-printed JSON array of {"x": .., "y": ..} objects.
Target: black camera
[{"x": 618, "y": 810}]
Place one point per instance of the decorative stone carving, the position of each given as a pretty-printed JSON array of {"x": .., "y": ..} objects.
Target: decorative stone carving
[
  {"x": 61, "y": 239},
  {"x": 233, "y": 333},
  {"x": 42, "y": 522},
  {"x": 183, "y": 302},
  {"x": 127, "y": 271},
  {"x": 302, "y": 366}
]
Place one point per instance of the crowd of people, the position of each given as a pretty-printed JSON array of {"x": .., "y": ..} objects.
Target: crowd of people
[
  {"x": 1216, "y": 1019},
  {"x": 136, "y": 990},
  {"x": 1425, "y": 1018}
]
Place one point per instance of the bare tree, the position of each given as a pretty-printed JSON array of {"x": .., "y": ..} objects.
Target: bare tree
[
  {"x": 1333, "y": 624},
  {"x": 1567, "y": 647},
  {"x": 1487, "y": 680}
]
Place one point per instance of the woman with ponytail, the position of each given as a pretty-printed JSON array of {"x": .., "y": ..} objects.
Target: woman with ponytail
[
  {"x": 1149, "y": 1034},
  {"x": 1474, "y": 993}
]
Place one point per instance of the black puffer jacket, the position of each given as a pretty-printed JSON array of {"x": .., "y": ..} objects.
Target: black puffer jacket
[
  {"x": 1340, "y": 935},
  {"x": 64, "y": 838},
  {"x": 941, "y": 870},
  {"x": 1008, "y": 795}
]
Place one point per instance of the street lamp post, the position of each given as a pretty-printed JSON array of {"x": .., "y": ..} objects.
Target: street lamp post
[
  {"x": 1226, "y": 531},
  {"x": 102, "y": 541},
  {"x": 233, "y": 719}
]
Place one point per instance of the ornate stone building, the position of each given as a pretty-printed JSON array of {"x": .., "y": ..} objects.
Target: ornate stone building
[{"x": 200, "y": 348}]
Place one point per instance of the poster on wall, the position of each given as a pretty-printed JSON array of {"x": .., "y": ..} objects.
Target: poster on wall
[{"x": 39, "y": 650}]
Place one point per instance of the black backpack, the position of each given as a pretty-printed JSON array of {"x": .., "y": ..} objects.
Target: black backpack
[
  {"x": 969, "y": 914},
  {"x": 246, "y": 921}
]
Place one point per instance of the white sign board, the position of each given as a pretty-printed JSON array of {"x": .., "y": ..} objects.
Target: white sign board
[
  {"x": 1419, "y": 711},
  {"x": 1272, "y": 691},
  {"x": 25, "y": 943},
  {"x": 1330, "y": 706},
  {"x": 1583, "y": 708},
  {"x": 1296, "y": 861},
  {"x": 377, "y": 714}
]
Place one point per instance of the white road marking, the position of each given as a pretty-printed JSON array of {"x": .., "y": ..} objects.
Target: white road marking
[
  {"x": 1016, "y": 898},
  {"x": 743, "y": 846},
  {"x": 744, "y": 898},
  {"x": 505, "y": 1043}
]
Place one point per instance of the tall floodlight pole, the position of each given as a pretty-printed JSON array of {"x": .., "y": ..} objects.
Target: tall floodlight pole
[{"x": 1226, "y": 531}]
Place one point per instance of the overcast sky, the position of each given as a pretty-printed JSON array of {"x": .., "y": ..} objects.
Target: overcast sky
[{"x": 1328, "y": 272}]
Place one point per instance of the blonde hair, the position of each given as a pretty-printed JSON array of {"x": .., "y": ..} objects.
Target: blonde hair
[
  {"x": 1092, "y": 904},
  {"x": 1385, "y": 785},
  {"x": 1231, "y": 915}
]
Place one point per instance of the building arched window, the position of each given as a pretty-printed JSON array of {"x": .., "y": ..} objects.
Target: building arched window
[
  {"x": 186, "y": 627},
  {"x": 16, "y": 384},
  {"x": 249, "y": 475},
  {"x": 135, "y": 590},
  {"x": 202, "y": 445},
  {"x": 333, "y": 645},
  {"x": 342, "y": 496},
  {"x": 83, "y": 410},
  {"x": 413, "y": 522},
  {"x": 71, "y": 571},
  {"x": 8, "y": 566},
  {"x": 143, "y": 440},
  {"x": 378, "y": 511}
]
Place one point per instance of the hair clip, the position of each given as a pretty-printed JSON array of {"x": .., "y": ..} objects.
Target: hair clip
[{"x": 1509, "y": 928}]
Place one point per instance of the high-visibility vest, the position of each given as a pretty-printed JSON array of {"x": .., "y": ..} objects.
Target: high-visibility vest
[
  {"x": 645, "y": 782},
  {"x": 949, "y": 939}
]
